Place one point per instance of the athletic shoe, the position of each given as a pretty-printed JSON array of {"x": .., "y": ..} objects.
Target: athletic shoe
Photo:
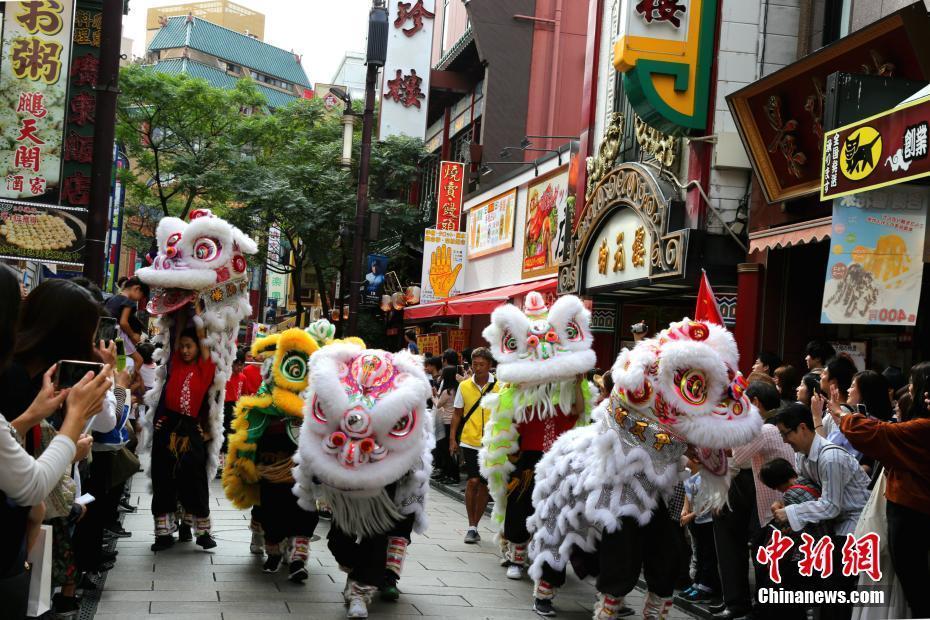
[
  {"x": 163, "y": 542},
  {"x": 206, "y": 541},
  {"x": 514, "y": 571},
  {"x": 117, "y": 531},
  {"x": 543, "y": 607},
  {"x": 297, "y": 571},
  {"x": 257, "y": 546},
  {"x": 390, "y": 593},
  {"x": 184, "y": 533},
  {"x": 472, "y": 537},
  {"x": 104, "y": 567},
  {"x": 125, "y": 506},
  {"x": 86, "y": 583},
  {"x": 357, "y": 608},
  {"x": 65, "y": 605},
  {"x": 272, "y": 564},
  {"x": 696, "y": 595},
  {"x": 108, "y": 556}
]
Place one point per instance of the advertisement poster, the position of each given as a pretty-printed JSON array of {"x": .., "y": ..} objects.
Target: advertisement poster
[
  {"x": 458, "y": 339},
  {"x": 443, "y": 259},
  {"x": 374, "y": 278},
  {"x": 882, "y": 150},
  {"x": 490, "y": 225},
  {"x": 544, "y": 238},
  {"x": 429, "y": 344},
  {"x": 42, "y": 233},
  {"x": 449, "y": 195},
  {"x": 33, "y": 84},
  {"x": 876, "y": 259}
]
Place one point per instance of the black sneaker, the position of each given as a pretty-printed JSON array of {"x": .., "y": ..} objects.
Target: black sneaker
[
  {"x": 297, "y": 571},
  {"x": 206, "y": 541},
  {"x": 543, "y": 607},
  {"x": 125, "y": 506},
  {"x": 66, "y": 605},
  {"x": 272, "y": 564},
  {"x": 472, "y": 537},
  {"x": 163, "y": 542},
  {"x": 104, "y": 567},
  {"x": 108, "y": 556},
  {"x": 117, "y": 531},
  {"x": 86, "y": 583},
  {"x": 184, "y": 533}
]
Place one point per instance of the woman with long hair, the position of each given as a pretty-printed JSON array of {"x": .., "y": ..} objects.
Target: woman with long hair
[
  {"x": 869, "y": 392},
  {"x": 444, "y": 408},
  {"x": 810, "y": 385}
]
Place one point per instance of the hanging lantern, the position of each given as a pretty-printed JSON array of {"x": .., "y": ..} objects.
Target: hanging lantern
[
  {"x": 386, "y": 303},
  {"x": 397, "y": 299},
  {"x": 345, "y": 313},
  {"x": 334, "y": 314},
  {"x": 412, "y": 295}
]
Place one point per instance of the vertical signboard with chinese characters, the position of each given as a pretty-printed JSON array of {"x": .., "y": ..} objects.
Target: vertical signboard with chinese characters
[
  {"x": 876, "y": 257},
  {"x": 664, "y": 50},
  {"x": 443, "y": 260},
  {"x": 405, "y": 83},
  {"x": 451, "y": 179},
  {"x": 33, "y": 86},
  {"x": 544, "y": 237},
  {"x": 276, "y": 285}
]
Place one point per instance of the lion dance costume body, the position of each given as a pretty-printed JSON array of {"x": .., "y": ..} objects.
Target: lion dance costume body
[
  {"x": 365, "y": 451},
  {"x": 542, "y": 355},
  {"x": 602, "y": 490},
  {"x": 200, "y": 263}
]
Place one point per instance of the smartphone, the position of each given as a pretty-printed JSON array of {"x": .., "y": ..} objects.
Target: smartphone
[
  {"x": 107, "y": 329},
  {"x": 120, "y": 355},
  {"x": 69, "y": 372},
  {"x": 860, "y": 408}
]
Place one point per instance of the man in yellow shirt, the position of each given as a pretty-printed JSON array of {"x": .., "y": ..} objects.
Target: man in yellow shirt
[{"x": 472, "y": 417}]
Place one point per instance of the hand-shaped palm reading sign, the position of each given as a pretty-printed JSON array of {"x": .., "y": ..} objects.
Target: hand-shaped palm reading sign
[{"x": 441, "y": 274}]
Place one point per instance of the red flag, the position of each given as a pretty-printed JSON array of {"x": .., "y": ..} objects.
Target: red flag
[{"x": 707, "y": 308}]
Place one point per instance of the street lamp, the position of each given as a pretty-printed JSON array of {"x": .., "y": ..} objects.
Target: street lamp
[
  {"x": 348, "y": 123},
  {"x": 376, "y": 56}
]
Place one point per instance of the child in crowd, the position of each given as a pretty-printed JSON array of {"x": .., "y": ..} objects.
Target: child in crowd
[
  {"x": 706, "y": 584},
  {"x": 179, "y": 451},
  {"x": 780, "y": 475}
]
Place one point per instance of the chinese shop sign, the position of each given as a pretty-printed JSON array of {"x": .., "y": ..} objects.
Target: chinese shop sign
[
  {"x": 429, "y": 344},
  {"x": 458, "y": 339},
  {"x": 664, "y": 50},
  {"x": 876, "y": 257},
  {"x": 883, "y": 150},
  {"x": 42, "y": 233},
  {"x": 490, "y": 225},
  {"x": 780, "y": 117},
  {"x": 621, "y": 253},
  {"x": 544, "y": 237},
  {"x": 33, "y": 84},
  {"x": 451, "y": 178},
  {"x": 443, "y": 260},
  {"x": 407, "y": 68}
]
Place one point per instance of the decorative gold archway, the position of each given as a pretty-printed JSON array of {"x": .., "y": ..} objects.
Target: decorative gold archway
[{"x": 628, "y": 186}]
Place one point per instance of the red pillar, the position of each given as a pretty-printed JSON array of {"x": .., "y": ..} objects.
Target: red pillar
[{"x": 748, "y": 313}]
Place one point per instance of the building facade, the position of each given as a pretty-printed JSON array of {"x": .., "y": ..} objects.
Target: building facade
[{"x": 221, "y": 12}]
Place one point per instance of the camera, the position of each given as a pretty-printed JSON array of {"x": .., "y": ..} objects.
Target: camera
[
  {"x": 69, "y": 372},
  {"x": 638, "y": 328}
]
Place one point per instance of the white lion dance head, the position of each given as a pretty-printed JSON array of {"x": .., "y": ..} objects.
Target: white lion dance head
[
  {"x": 365, "y": 428},
  {"x": 200, "y": 261}
]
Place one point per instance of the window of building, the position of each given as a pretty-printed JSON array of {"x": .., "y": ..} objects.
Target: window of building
[
  {"x": 444, "y": 39},
  {"x": 233, "y": 68},
  {"x": 836, "y": 20}
]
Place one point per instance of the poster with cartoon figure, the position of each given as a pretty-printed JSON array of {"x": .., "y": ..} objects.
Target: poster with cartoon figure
[{"x": 876, "y": 257}]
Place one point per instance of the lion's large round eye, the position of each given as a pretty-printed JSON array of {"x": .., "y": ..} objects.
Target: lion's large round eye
[
  {"x": 691, "y": 385},
  {"x": 294, "y": 367},
  {"x": 404, "y": 425},
  {"x": 173, "y": 239},
  {"x": 573, "y": 332},
  {"x": 206, "y": 249},
  {"x": 508, "y": 343},
  {"x": 317, "y": 410}
]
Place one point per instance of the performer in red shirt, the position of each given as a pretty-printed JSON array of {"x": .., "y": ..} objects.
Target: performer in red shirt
[
  {"x": 179, "y": 453},
  {"x": 252, "y": 373}
]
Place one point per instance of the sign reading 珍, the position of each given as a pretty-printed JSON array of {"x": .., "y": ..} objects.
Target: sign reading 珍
[
  {"x": 34, "y": 66},
  {"x": 664, "y": 50},
  {"x": 882, "y": 150},
  {"x": 407, "y": 68}
]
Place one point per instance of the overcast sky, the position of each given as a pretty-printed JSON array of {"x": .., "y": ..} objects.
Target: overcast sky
[{"x": 320, "y": 30}]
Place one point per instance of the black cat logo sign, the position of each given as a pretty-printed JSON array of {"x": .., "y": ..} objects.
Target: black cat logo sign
[{"x": 862, "y": 152}]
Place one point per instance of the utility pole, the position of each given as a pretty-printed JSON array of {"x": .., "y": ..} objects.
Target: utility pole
[
  {"x": 377, "y": 50},
  {"x": 101, "y": 171}
]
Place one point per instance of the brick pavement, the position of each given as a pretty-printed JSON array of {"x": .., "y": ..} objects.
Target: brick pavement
[{"x": 443, "y": 577}]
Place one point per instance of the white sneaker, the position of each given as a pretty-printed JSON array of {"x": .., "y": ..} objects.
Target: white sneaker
[
  {"x": 257, "y": 546},
  {"x": 514, "y": 571},
  {"x": 357, "y": 608}
]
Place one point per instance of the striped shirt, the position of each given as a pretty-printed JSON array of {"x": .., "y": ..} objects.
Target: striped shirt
[
  {"x": 844, "y": 488},
  {"x": 767, "y": 445}
]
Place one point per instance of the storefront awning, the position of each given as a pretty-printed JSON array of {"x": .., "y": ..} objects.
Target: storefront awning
[
  {"x": 483, "y": 302},
  {"x": 786, "y": 236}
]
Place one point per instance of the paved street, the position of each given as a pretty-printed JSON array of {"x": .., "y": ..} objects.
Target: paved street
[{"x": 443, "y": 577}]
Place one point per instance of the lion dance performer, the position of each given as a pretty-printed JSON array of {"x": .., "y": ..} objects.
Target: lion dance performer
[
  {"x": 365, "y": 450},
  {"x": 258, "y": 466},
  {"x": 542, "y": 356},
  {"x": 602, "y": 490},
  {"x": 199, "y": 294}
]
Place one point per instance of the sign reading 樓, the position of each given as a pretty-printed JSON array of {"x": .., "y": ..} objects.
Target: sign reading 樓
[
  {"x": 34, "y": 67},
  {"x": 490, "y": 225},
  {"x": 876, "y": 258},
  {"x": 544, "y": 237},
  {"x": 882, "y": 150},
  {"x": 42, "y": 233},
  {"x": 443, "y": 261},
  {"x": 405, "y": 84},
  {"x": 449, "y": 195}
]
